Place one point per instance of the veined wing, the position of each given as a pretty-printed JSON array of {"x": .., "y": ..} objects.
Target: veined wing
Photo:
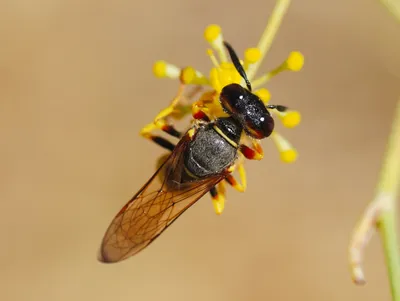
[{"x": 154, "y": 208}]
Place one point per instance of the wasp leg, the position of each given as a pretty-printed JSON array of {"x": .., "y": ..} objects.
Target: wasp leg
[
  {"x": 207, "y": 107},
  {"x": 160, "y": 123},
  {"x": 170, "y": 146},
  {"x": 255, "y": 153},
  {"x": 146, "y": 132},
  {"x": 218, "y": 194},
  {"x": 200, "y": 112},
  {"x": 218, "y": 197},
  {"x": 173, "y": 107},
  {"x": 279, "y": 108},
  {"x": 164, "y": 143},
  {"x": 239, "y": 186}
]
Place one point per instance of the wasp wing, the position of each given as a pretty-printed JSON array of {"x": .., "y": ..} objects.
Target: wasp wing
[{"x": 154, "y": 208}]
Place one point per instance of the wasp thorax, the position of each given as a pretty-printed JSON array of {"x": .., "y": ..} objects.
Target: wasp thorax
[{"x": 248, "y": 109}]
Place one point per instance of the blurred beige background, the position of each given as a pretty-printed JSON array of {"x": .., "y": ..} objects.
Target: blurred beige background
[{"x": 76, "y": 87}]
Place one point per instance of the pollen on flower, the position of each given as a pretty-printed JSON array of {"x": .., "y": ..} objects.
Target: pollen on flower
[
  {"x": 164, "y": 69},
  {"x": 223, "y": 72},
  {"x": 288, "y": 156},
  {"x": 224, "y": 75},
  {"x": 213, "y": 35},
  {"x": 290, "y": 119},
  {"x": 295, "y": 61},
  {"x": 287, "y": 152},
  {"x": 264, "y": 95},
  {"x": 191, "y": 76},
  {"x": 251, "y": 56},
  {"x": 213, "y": 59}
]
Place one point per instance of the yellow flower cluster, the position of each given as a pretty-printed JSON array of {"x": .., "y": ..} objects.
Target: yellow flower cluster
[{"x": 223, "y": 73}]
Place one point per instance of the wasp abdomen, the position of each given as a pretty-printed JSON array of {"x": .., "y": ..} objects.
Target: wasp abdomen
[{"x": 209, "y": 153}]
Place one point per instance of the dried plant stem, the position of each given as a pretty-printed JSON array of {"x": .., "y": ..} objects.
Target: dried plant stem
[
  {"x": 381, "y": 213},
  {"x": 269, "y": 33}
]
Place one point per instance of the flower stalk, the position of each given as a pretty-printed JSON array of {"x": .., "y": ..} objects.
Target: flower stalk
[
  {"x": 269, "y": 33},
  {"x": 393, "y": 6},
  {"x": 381, "y": 215},
  {"x": 223, "y": 73}
]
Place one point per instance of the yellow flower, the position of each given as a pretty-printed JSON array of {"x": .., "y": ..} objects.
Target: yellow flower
[{"x": 223, "y": 73}]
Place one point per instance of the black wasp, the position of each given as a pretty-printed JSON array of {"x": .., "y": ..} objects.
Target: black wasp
[{"x": 205, "y": 155}]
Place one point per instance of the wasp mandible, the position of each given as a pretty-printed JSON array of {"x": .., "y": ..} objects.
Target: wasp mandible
[{"x": 204, "y": 156}]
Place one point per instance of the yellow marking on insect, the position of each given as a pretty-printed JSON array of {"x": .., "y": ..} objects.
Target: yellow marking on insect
[
  {"x": 191, "y": 133},
  {"x": 190, "y": 174},
  {"x": 231, "y": 142}
]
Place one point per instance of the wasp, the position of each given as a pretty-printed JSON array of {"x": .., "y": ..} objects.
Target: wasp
[{"x": 205, "y": 155}]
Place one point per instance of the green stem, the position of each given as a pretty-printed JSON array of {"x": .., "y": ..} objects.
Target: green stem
[
  {"x": 387, "y": 192},
  {"x": 389, "y": 184},
  {"x": 393, "y": 6},
  {"x": 274, "y": 22},
  {"x": 390, "y": 243}
]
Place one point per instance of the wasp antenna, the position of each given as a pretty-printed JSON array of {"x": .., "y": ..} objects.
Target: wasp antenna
[
  {"x": 237, "y": 64},
  {"x": 279, "y": 108}
]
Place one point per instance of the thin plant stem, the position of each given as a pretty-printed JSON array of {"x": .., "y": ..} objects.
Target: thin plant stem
[
  {"x": 393, "y": 6},
  {"x": 388, "y": 189},
  {"x": 381, "y": 214},
  {"x": 269, "y": 33}
]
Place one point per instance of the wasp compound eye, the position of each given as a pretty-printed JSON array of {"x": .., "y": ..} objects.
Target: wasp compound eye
[
  {"x": 248, "y": 109},
  {"x": 233, "y": 98},
  {"x": 259, "y": 126}
]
